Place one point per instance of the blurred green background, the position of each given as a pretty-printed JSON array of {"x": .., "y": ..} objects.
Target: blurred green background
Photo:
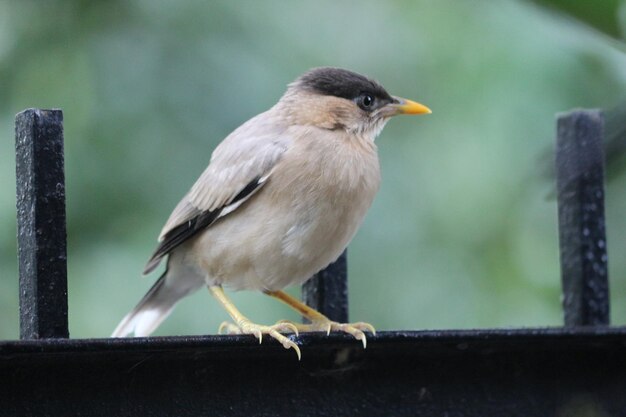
[{"x": 462, "y": 233}]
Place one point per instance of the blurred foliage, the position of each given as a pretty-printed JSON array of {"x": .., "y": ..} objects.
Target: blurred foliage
[
  {"x": 605, "y": 19},
  {"x": 606, "y": 16},
  {"x": 460, "y": 234}
]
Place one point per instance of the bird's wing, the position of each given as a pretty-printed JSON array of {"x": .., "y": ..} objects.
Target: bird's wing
[{"x": 239, "y": 167}]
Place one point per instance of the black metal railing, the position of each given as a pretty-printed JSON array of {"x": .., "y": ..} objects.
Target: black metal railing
[
  {"x": 41, "y": 235},
  {"x": 582, "y": 235},
  {"x": 577, "y": 370}
]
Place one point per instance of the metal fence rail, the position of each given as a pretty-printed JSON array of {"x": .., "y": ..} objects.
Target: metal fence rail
[
  {"x": 582, "y": 235},
  {"x": 516, "y": 373},
  {"x": 578, "y": 370}
]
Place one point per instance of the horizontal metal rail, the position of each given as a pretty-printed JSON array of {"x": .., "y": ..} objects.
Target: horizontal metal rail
[{"x": 508, "y": 373}]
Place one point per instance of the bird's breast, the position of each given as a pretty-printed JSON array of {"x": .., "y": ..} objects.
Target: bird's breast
[
  {"x": 329, "y": 193},
  {"x": 314, "y": 200}
]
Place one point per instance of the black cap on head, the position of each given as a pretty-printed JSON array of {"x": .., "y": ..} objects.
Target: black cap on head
[{"x": 341, "y": 83}]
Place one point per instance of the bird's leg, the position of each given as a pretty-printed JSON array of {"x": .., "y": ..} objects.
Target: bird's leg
[
  {"x": 243, "y": 325},
  {"x": 320, "y": 322}
]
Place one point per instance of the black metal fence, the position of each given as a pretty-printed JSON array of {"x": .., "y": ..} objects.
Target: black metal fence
[{"x": 576, "y": 370}]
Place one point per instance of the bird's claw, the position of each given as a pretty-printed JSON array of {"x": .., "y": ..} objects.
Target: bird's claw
[
  {"x": 355, "y": 329},
  {"x": 228, "y": 328},
  {"x": 287, "y": 326},
  {"x": 258, "y": 330}
]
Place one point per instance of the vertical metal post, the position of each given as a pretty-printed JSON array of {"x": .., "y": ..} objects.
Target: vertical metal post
[
  {"x": 582, "y": 237},
  {"x": 327, "y": 291},
  {"x": 41, "y": 231}
]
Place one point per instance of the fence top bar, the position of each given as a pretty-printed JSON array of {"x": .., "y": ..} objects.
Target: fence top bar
[
  {"x": 552, "y": 338},
  {"x": 513, "y": 373},
  {"x": 484, "y": 373}
]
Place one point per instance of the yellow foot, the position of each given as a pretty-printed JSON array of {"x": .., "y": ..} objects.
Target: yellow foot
[
  {"x": 258, "y": 330},
  {"x": 324, "y": 325}
]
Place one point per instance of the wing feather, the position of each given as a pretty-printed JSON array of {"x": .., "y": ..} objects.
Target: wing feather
[
  {"x": 239, "y": 167},
  {"x": 197, "y": 222}
]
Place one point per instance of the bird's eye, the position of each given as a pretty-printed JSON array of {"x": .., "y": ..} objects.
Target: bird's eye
[{"x": 366, "y": 101}]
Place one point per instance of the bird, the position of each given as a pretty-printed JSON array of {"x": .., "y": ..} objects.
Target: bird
[{"x": 280, "y": 200}]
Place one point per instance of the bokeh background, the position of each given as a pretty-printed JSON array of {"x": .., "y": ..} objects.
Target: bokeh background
[{"x": 463, "y": 232}]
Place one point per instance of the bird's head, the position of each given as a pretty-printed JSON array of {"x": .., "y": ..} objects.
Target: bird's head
[{"x": 334, "y": 98}]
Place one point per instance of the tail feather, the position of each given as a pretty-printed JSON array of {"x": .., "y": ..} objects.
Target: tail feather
[
  {"x": 179, "y": 280},
  {"x": 150, "y": 312}
]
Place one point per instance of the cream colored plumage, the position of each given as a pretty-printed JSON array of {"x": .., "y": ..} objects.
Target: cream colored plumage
[{"x": 281, "y": 198}]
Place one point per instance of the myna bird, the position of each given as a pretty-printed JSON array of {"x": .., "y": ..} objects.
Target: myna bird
[{"x": 282, "y": 197}]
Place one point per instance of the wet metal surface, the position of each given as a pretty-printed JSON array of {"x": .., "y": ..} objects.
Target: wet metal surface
[
  {"x": 531, "y": 372},
  {"x": 41, "y": 223},
  {"x": 582, "y": 235}
]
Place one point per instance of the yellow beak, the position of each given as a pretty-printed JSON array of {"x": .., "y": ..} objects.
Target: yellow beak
[{"x": 406, "y": 106}]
